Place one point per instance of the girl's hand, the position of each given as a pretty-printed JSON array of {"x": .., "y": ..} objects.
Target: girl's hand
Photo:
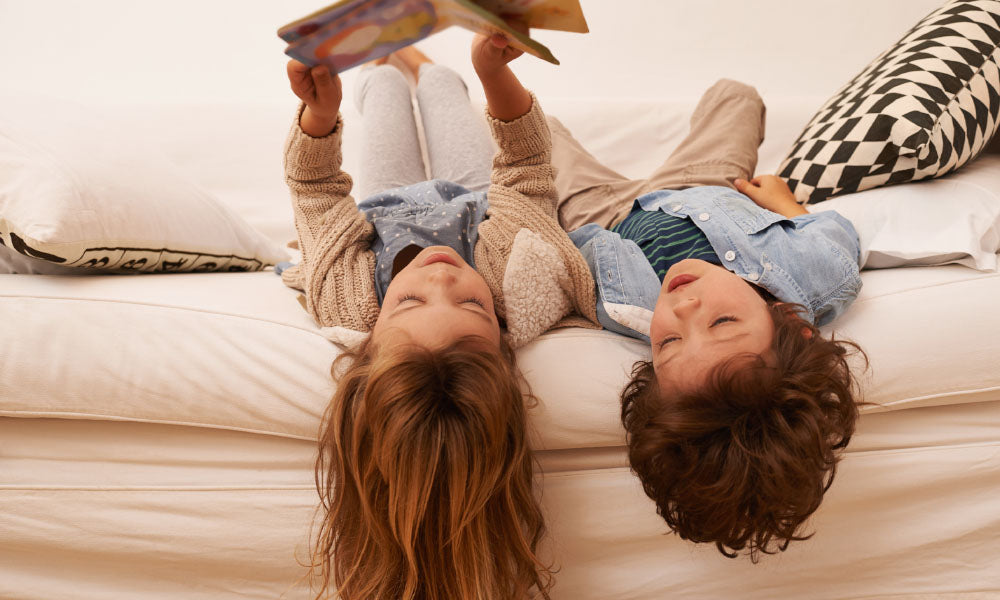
[
  {"x": 491, "y": 53},
  {"x": 506, "y": 98},
  {"x": 771, "y": 192},
  {"x": 321, "y": 91}
]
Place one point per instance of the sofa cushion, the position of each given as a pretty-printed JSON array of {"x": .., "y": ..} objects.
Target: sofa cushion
[
  {"x": 923, "y": 108},
  {"x": 236, "y": 351},
  {"x": 80, "y": 194}
]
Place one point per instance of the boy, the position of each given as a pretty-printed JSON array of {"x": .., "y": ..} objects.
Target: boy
[{"x": 734, "y": 425}]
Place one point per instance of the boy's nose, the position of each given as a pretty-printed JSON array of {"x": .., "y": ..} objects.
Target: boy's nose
[{"x": 687, "y": 306}]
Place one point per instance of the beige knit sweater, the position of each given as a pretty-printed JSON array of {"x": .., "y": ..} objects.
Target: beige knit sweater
[{"x": 537, "y": 277}]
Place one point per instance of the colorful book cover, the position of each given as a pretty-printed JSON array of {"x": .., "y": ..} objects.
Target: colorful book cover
[{"x": 352, "y": 32}]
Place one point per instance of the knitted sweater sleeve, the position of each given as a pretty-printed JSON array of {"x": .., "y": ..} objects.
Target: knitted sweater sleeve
[
  {"x": 336, "y": 273},
  {"x": 523, "y": 195}
]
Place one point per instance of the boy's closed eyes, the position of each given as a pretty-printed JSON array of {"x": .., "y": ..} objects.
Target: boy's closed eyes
[{"x": 704, "y": 315}]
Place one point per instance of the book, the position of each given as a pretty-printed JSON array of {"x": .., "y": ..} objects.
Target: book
[{"x": 351, "y": 32}]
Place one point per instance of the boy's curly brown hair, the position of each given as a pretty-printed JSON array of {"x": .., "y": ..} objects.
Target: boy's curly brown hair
[{"x": 745, "y": 460}]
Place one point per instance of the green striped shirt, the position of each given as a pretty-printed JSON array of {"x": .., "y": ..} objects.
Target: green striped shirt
[{"x": 665, "y": 239}]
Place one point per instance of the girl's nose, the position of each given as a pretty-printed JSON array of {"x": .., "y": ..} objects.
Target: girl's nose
[{"x": 443, "y": 277}]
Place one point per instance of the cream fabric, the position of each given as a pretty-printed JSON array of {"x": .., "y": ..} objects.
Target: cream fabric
[
  {"x": 169, "y": 512},
  {"x": 87, "y": 195},
  {"x": 236, "y": 351},
  {"x": 180, "y": 462}
]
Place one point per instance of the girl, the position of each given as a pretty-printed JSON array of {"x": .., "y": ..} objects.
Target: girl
[
  {"x": 734, "y": 425},
  {"x": 424, "y": 471}
]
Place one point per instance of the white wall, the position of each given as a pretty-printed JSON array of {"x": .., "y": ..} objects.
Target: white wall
[{"x": 225, "y": 50}]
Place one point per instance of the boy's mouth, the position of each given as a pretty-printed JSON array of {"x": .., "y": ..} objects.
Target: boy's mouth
[{"x": 680, "y": 280}]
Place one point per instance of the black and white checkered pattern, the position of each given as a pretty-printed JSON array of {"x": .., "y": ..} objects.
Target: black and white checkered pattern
[{"x": 922, "y": 109}]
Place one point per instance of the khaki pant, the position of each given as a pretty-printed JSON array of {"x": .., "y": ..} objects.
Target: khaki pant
[{"x": 727, "y": 127}]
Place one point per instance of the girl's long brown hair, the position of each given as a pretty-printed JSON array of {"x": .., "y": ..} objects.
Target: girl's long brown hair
[{"x": 425, "y": 479}]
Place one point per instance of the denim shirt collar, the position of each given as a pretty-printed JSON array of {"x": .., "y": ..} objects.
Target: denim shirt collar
[
  {"x": 811, "y": 260},
  {"x": 429, "y": 213}
]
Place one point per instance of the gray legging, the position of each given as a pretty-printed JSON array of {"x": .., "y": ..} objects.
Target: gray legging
[{"x": 459, "y": 147}]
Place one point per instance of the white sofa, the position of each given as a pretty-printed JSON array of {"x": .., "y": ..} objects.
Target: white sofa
[{"x": 157, "y": 432}]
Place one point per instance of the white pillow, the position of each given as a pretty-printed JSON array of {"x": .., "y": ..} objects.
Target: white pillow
[
  {"x": 79, "y": 194},
  {"x": 953, "y": 219}
]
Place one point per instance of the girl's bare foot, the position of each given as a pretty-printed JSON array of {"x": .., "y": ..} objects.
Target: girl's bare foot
[
  {"x": 378, "y": 61},
  {"x": 411, "y": 58}
]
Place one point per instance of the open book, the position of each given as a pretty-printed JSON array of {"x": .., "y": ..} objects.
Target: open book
[{"x": 352, "y": 32}]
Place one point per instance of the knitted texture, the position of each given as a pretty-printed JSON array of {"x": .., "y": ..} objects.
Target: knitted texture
[
  {"x": 337, "y": 266},
  {"x": 334, "y": 237}
]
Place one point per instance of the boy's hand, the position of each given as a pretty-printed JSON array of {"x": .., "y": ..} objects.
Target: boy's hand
[
  {"x": 321, "y": 91},
  {"x": 771, "y": 192}
]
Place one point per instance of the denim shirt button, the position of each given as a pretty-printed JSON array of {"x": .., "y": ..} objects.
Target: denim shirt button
[
  {"x": 730, "y": 255},
  {"x": 677, "y": 207},
  {"x": 753, "y": 276},
  {"x": 704, "y": 217}
]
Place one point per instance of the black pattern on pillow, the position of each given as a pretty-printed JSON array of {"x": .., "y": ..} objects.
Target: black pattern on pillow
[{"x": 925, "y": 107}]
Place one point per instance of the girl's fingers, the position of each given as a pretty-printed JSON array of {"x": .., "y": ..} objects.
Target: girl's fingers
[
  {"x": 296, "y": 70},
  {"x": 321, "y": 77}
]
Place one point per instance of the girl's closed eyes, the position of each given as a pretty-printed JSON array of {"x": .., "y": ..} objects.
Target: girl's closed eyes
[{"x": 471, "y": 300}]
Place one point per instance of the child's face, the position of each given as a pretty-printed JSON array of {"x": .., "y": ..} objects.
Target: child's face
[
  {"x": 704, "y": 315},
  {"x": 436, "y": 299}
]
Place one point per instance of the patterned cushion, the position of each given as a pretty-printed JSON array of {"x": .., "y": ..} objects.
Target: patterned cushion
[{"x": 925, "y": 107}]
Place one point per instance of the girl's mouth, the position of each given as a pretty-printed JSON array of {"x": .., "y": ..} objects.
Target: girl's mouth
[{"x": 440, "y": 257}]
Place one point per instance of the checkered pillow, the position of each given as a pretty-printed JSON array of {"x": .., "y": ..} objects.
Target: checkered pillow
[{"x": 922, "y": 109}]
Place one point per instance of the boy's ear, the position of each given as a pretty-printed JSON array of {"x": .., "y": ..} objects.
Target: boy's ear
[{"x": 789, "y": 310}]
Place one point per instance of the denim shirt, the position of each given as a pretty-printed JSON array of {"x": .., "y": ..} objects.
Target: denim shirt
[
  {"x": 429, "y": 213},
  {"x": 811, "y": 259}
]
